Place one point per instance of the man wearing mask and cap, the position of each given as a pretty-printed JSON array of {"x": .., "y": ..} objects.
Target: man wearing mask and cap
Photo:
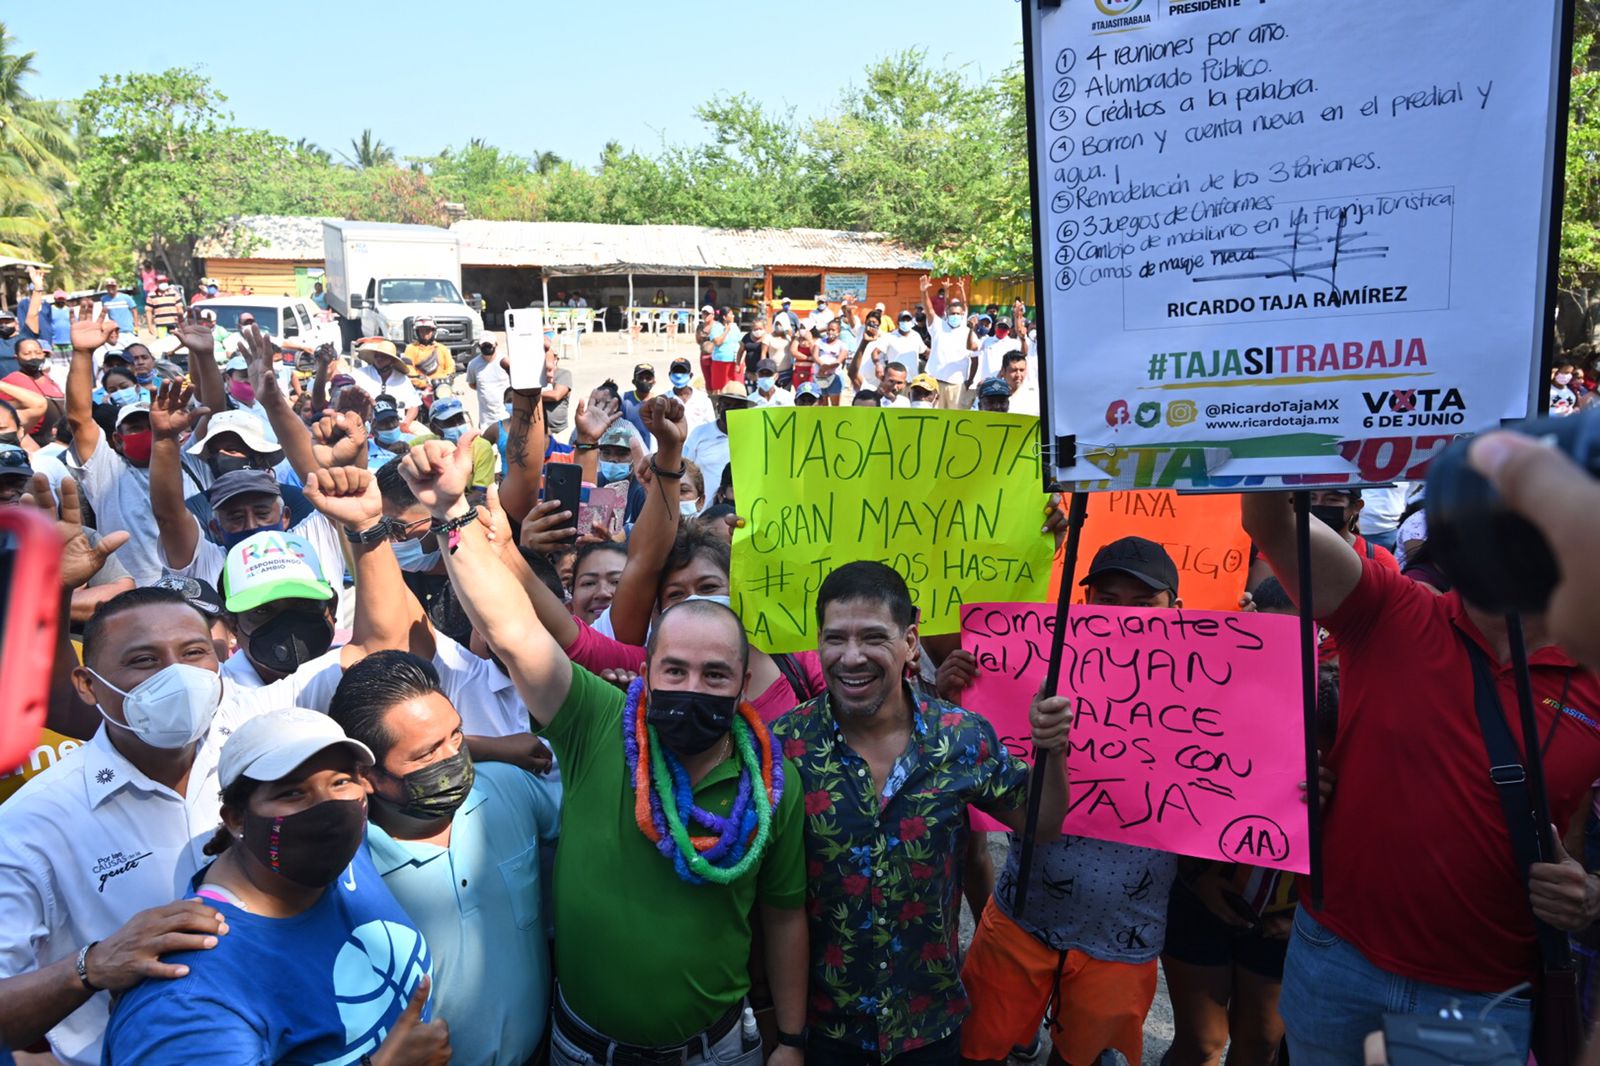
[
  {"x": 1340, "y": 510},
  {"x": 385, "y": 371},
  {"x": 388, "y": 438},
  {"x": 786, "y": 314},
  {"x": 697, "y": 410},
  {"x": 431, "y": 362},
  {"x": 923, "y": 391},
  {"x": 491, "y": 380},
  {"x": 619, "y": 450},
  {"x": 438, "y": 818},
  {"x": 644, "y": 383},
  {"x": 807, "y": 395},
  {"x": 447, "y": 420},
  {"x": 113, "y": 470},
  {"x": 119, "y": 306},
  {"x": 905, "y": 345},
  {"x": 953, "y": 361},
  {"x": 1074, "y": 950},
  {"x": 707, "y": 445},
  {"x": 634, "y": 913},
  {"x": 767, "y": 393},
  {"x": 9, "y": 336}
]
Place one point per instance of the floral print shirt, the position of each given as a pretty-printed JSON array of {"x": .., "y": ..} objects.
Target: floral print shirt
[{"x": 883, "y": 895}]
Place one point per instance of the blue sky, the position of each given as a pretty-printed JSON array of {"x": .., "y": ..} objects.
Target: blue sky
[{"x": 526, "y": 76}]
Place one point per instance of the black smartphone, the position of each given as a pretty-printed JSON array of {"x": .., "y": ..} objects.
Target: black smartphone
[{"x": 563, "y": 482}]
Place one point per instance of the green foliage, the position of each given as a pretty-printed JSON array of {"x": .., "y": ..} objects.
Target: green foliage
[
  {"x": 1580, "y": 219},
  {"x": 36, "y": 157}
]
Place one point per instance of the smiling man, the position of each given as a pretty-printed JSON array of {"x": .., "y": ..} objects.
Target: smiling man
[{"x": 888, "y": 776}]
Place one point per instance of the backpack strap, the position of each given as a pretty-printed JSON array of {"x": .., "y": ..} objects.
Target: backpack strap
[{"x": 796, "y": 677}]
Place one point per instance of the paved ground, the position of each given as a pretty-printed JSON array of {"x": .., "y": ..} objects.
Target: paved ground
[{"x": 599, "y": 356}]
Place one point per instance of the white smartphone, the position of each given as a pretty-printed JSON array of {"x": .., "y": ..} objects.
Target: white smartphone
[{"x": 525, "y": 347}]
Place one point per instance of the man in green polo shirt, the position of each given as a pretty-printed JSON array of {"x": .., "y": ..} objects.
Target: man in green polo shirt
[
  {"x": 459, "y": 846},
  {"x": 654, "y": 932}
]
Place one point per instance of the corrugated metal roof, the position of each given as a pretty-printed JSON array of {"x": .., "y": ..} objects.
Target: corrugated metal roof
[
  {"x": 600, "y": 248},
  {"x": 592, "y": 247},
  {"x": 275, "y": 237}
]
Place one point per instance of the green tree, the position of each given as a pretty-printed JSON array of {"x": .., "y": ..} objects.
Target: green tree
[
  {"x": 163, "y": 165},
  {"x": 368, "y": 151},
  {"x": 36, "y": 155}
]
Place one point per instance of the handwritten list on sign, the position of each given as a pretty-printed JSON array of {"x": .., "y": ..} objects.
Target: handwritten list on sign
[
  {"x": 1274, "y": 230},
  {"x": 1187, "y": 731}
]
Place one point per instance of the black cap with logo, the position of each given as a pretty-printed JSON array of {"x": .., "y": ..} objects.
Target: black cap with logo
[{"x": 1139, "y": 558}]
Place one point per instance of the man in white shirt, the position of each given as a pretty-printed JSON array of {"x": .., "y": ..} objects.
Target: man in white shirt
[
  {"x": 708, "y": 445},
  {"x": 485, "y": 374},
  {"x": 993, "y": 349},
  {"x": 905, "y": 345},
  {"x": 820, "y": 316},
  {"x": 385, "y": 370},
  {"x": 767, "y": 393},
  {"x": 1024, "y": 392},
  {"x": 697, "y": 408},
  {"x": 953, "y": 360},
  {"x": 868, "y": 357}
]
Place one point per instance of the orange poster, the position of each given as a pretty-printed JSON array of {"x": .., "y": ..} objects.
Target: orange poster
[{"x": 1201, "y": 533}]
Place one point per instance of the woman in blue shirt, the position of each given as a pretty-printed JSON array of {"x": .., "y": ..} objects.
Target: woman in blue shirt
[{"x": 319, "y": 963}]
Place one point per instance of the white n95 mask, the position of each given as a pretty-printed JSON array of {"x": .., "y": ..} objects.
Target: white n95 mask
[{"x": 170, "y": 708}]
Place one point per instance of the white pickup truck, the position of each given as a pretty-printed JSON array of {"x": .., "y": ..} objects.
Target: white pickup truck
[
  {"x": 293, "y": 318},
  {"x": 386, "y": 275}
]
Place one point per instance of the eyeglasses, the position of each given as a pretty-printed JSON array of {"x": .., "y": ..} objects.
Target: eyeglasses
[{"x": 409, "y": 530}]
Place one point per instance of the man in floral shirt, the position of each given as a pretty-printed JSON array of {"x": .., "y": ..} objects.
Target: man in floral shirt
[{"x": 888, "y": 775}]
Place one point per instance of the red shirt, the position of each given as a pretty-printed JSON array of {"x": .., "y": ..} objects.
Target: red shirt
[{"x": 1419, "y": 874}]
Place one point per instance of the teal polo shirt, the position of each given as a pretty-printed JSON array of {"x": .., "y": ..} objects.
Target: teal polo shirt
[{"x": 479, "y": 905}]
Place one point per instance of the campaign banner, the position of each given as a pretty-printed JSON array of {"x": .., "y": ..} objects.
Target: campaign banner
[
  {"x": 1270, "y": 246},
  {"x": 953, "y": 500},
  {"x": 1187, "y": 733},
  {"x": 1201, "y": 533},
  {"x": 837, "y": 286}
]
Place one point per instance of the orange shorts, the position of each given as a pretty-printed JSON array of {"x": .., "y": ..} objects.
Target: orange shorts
[{"x": 1010, "y": 978}]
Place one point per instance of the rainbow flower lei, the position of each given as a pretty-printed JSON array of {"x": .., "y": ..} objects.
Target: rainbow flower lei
[{"x": 663, "y": 794}]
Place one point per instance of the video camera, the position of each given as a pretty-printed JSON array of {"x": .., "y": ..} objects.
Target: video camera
[{"x": 1497, "y": 559}]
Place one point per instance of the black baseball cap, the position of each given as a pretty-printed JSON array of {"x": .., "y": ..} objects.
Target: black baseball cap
[
  {"x": 239, "y": 482},
  {"x": 202, "y": 595},
  {"x": 1138, "y": 558},
  {"x": 680, "y": 366}
]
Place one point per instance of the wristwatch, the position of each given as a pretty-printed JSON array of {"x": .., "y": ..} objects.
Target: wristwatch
[{"x": 797, "y": 1040}]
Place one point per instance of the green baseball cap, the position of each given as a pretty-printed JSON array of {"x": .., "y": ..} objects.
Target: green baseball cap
[{"x": 272, "y": 565}]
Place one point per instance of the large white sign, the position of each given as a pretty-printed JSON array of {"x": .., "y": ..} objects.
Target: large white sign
[{"x": 1289, "y": 237}]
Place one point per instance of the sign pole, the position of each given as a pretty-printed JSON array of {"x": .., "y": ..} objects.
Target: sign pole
[
  {"x": 1076, "y": 512},
  {"x": 1308, "y": 680}
]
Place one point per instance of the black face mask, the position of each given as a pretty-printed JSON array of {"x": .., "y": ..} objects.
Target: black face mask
[
  {"x": 8, "y": 330},
  {"x": 290, "y": 640},
  {"x": 223, "y": 463},
  {"x": 11, "y": 438},
  {"x": 1334, "y": 517},
  {"x": 31, "y": 367},
  {"x": 689, "y": 722},
  {"x": 431, "y": 793},
  {"x": 310, "y": 847}
]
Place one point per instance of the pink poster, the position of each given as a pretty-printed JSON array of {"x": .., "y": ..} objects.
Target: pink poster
[{"x": 1188, "y": 731}]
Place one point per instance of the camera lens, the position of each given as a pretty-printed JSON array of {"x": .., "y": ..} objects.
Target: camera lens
[{"x": 1499, "y": 560}]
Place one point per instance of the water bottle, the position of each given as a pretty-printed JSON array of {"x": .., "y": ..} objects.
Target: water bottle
[{"x": 747, "y": 1025}]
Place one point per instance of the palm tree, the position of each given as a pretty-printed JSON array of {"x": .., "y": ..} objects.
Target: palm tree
[
  {"x": 545, "y": 162},
  {"x": 306, "y": 149},
  {"x": 369, "y": 152},
  {"x": 36, "y": 154}
]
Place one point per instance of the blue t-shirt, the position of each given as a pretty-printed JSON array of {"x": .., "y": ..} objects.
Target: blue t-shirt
[
  {"x": 325, "y": 986},
  {"x": 631, "y": 403},
  {"x": 728, "y": 350},
  {"x": 121, "y": 308},
  {"x": 60, "y": 323}
]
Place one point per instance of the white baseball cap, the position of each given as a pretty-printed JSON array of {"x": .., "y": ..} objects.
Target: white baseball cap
[
  {"x": 247, "y": 425},
  {"x": 128, "y": 410},
  {"x": 272, "y": 565},
  {"x": 271, "y": 745}
]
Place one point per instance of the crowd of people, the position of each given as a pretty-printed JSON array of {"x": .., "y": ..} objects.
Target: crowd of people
[{"x": 370, "y": 749}]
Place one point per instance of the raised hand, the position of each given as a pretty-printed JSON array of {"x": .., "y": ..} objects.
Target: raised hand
[
  {"x": 439, "y": 472},
  {"x": 259, "y": 360},
  {"x": 338, "y": 439},
  {"x": 955, "y": 674},
  {"x": 196, "y": 335},
  {"x": 599, "y": 414},
  {"x": 80, "y": 560},
  {"x": 924, "y": 283},
  {"x": 548, "y": 528},
  {"x": 347, "y": 495},
  {"x": 87, "y": 335},
  {"x": 133, "y": 952},
  {"x": 412, "y": 1041},
  {"x": 170, "y": 413},
  {"x": 620, "y": 678},
  {"x": 663, "y": 417}
]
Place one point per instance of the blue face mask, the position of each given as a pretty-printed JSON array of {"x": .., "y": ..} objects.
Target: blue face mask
[
  {"x": 679, "y": 381},
  {"x": 615, "y": 471},
  {"x": 146, "y": 378},
  {"x": 123, "y": 397},
  {"x": 453, "y": 433},
  {"x": 765, "y": 382},
  {"x": 983, "y": 331},
  {"x": 390, "y": 436},
  {"x": 954, "y": 321},
  {"x": 231, "y": 539}
]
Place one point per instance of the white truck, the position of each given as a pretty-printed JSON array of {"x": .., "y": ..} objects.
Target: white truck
[{"x": 387, "y": 275}]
